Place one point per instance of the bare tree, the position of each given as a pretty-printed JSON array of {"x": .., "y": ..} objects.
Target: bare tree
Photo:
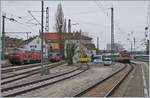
[
  {"x": 59, "y": 22},
  {"x": 59, "y": 18}
]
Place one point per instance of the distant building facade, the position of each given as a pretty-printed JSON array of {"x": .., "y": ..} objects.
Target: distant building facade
[
  {"x": 11, "y": 43},
  {"x": 84, "y": 42},
  {"x": 34, "y": 44}
]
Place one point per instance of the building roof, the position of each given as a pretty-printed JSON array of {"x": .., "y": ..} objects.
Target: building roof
[
  {"x": 51, "y": 36},
  {"x": 55, "y": 36},
  {"x": 90, "y": 46},
  {"x": 27, "y": 41},
  {"x": 12, "y": 42}
]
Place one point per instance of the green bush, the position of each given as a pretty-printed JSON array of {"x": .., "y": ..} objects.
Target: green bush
[{"x": 70, "y": 50}]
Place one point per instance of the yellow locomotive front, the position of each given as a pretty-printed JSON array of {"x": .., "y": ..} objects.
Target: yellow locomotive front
[{"x": 83, "y": 59}]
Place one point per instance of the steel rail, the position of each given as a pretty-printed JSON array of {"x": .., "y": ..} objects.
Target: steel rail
[
  {"x": 40, "y": 80},
  {"x": 27, "y": 74},
  {"x": 23, "y": 71},
  {"x": 85, "y": 91},
  {"x": 108, "y": 94},
  {"x": 43, "y": 83},
  {"x": 19, "y": 67}
]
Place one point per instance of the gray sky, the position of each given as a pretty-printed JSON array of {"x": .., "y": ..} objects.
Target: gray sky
[{"x": 93, "y": 17}]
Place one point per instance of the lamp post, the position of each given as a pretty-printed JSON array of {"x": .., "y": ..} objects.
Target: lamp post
[{"x": 61, "y": 41}]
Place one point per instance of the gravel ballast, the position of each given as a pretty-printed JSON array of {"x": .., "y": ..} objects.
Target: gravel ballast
[{"x": 77, "y": 84}]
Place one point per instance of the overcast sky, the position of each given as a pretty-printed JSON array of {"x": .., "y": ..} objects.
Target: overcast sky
[{"x": 93, "y": 17}]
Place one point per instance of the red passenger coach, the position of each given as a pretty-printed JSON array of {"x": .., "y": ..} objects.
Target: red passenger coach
[{"x": 20, "y": 56}]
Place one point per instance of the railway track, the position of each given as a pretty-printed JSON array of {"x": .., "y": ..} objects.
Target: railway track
[
  {"x": 26, "y": 87},
  {"x": 143, "y": 60},
  {"x": 19, "y": 67},
  {"x": 106, "y": 87},
  {"x": 26, "y": 73},
  {"x": 5, "y": 66}
]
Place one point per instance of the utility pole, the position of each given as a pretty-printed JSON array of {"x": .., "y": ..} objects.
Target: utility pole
[
  {"x": 134, "y": 46},
  {"x": 3, "y": 37},
  {"x": 47, "y": 26},
  {"x": 69, "y": 29},
  {"x": 44, "y": 69},
  {"x": 97, "y": 45},
  {"x": 147, "y": 47},
  {"x": 42, "y": 30},
  {"x": 112, "y": 31},
  {"x": 69, "y": 26},
  {"x": 131, "y": 48},
  {"x": 42, "y": 37},
  {"x": 47, "y": 20},
  {"x": 146, "y": 40},
  {"x": 60, "y": 41},
  {"x": 64, "y": 29},
  {"x": 148, "y": 31}
]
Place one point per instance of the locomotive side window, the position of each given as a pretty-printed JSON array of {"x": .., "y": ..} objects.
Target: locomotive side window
[{"x": 16, "y": 49}]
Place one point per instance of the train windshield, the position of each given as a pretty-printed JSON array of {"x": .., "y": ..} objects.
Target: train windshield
[{"x": 107, "y": 59}]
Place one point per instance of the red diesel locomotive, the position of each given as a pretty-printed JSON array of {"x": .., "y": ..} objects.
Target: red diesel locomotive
[
  {"x": 54, "y": 57},
  {"x": 19, "y": 56},
  {"x": 124, "y": 57}
]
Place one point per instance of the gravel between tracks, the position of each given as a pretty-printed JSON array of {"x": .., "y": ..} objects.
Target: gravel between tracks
[
  {"x": 22, "y": 71},
  {"x": 104, "y": 88},
  {"x": 77, "y": 84},
  {"x": 38, "y": 76}
]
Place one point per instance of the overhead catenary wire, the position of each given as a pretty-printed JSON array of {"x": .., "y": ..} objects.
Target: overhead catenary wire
[
  {"x": 91, "y": 23},
  {"x": 16, "y": 21},
  {"x": 25, "y": 20},
  {"x": 17, "y": 16},
  {"x": 107, "y": 14},
  {"x": 34, "y": 17},
  {"x": 99, "y": 6},
  {"x": 104, "y": 10}
]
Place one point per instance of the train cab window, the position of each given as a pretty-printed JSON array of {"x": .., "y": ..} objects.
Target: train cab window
[
  {"x": 99, "y": 57},
  {"x": 16, "y": 49},
  {"x": 57, "y": 54}
]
